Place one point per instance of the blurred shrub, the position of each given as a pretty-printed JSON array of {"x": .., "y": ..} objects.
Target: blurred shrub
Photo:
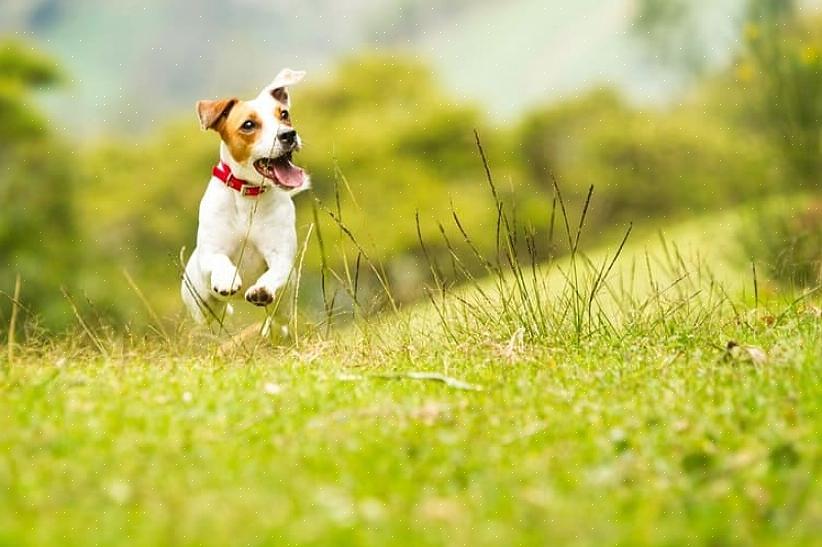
[
  {"x": 788, "y": 240},
  {"x": 645, "y": 164},
  {"x": 675, "y": 31},
  {"x": 138, "y": 209},
  {"x": 22, "y": 69},
  {"x": 777, "y": 86},
  {"x": 38, "y": 238},
  {"x": 24, "y": 64},
  {"x": 402, "y": 145}
]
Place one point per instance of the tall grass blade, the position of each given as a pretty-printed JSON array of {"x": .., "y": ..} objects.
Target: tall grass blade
[
  {"x": 84, "y": 325},
  {"x": 297, "y": 281},
  {"x": 147, "y": 304},
  {"x": 13, "y": 320}
]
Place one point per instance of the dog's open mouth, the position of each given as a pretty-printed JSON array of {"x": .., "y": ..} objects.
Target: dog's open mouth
[{"x": 280, "y": 170}]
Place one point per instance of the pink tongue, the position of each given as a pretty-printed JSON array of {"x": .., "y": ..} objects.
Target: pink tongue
[{"x": 289, "y": 174}]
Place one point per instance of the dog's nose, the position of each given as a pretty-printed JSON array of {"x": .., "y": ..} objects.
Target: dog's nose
[{"x": 287, "y": 137}]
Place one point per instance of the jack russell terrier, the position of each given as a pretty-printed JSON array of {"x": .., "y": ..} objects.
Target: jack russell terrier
[{"x": 246, "y": 231}]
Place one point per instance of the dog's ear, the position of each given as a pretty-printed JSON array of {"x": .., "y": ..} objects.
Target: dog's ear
[
  {"x": 278, "y": 87},
  {"x": 212, "y": 113}
]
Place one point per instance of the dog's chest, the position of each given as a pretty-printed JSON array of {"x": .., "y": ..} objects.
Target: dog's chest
[
  {"x": 248, "y": 230},
  {"x": 250, "y": 239}
]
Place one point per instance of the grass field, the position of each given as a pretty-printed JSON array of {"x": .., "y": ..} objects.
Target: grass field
[{"x": 665, "y": 403}]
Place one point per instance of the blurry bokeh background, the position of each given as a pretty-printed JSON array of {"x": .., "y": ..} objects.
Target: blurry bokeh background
[{"x": 670, "y": 108}]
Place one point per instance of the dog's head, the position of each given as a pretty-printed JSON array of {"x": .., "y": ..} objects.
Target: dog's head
[{"x": 258, "y": 136}]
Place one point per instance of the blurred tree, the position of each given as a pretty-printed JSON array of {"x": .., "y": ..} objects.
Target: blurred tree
[
  {"x": 37, "y": 231},
  {"x": 787, "y": 238},
  {"x": 675, "y": 30},
  {"x": 777, "y": 85},
  {"x": 139, "y": 209},
  {"x": 24, "y": 64},
  {"x": 644, "y": 165},
  {"x": 780, "y": 72},
  {"x": 668, "y": 27},
  {"x": 772, "y": 10},
  {"x": 21, "y": 70}
]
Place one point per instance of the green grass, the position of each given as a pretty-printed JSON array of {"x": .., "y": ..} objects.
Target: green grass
[{"x": 629, "y": 424}]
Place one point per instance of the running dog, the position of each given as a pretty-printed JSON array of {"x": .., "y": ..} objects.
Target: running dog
[{"x": 247, "y": 226}]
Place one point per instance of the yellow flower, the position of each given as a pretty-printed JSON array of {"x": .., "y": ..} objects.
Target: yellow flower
[
  {"x": 752, "y": 32},
  {"x": 745, "y": 72},
  {"x": 810, "y": 55}
]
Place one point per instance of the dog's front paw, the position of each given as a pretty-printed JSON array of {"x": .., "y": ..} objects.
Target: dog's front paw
[
  {"x": 226, "y": 282},
  {"x": 260, "y": 295}
]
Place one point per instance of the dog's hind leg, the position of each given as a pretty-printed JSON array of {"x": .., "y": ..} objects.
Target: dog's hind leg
[
  {"x": 197, "y": 297},
  {"x": 196, "y": 305}
]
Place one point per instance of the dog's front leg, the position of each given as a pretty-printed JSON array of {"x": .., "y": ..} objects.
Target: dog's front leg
[
  {"x": 224, "y": 276},
  {"x": 263, "y": 291}
]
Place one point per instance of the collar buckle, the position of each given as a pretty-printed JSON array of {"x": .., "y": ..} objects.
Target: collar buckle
[{"x": 251, "y": 190}]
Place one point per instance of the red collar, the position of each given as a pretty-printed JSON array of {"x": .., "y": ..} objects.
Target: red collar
[{"x": 223, "y": 172}]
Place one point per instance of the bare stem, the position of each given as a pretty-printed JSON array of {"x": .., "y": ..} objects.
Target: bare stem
[{"x": 13, "y": 321}]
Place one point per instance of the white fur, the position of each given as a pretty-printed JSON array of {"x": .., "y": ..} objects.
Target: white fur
[
  {"x": 285, "y": 78},
  {"x": 224, "y": 261}
]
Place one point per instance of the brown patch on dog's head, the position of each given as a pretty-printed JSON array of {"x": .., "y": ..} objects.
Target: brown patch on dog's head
[
  {"x": 237, "y": 123},
  {"x": 241, "y": 130},
  {"x": 212, "y": 113}
]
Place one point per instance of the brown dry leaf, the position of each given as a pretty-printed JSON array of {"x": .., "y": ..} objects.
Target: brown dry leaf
[
  {"x": 756, "y": 354},
  {"x": 769, "y": 320},
  {"x": 238, "y": 340},
  {"x": 441, "y": 509},
  {"x": 742, "y": 459},
  {"x": 758, "y": 495},
  {"x": 540, "y": 497},
  {"x": 430, "y": 412},
  {"x": 314, "y": 352},
  {"x": 746, "y": 354},
  {"x": 681, "y": 425}
]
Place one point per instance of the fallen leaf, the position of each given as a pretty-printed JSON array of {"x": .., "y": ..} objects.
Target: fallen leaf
[
  {"x": 743, "y": 353},
  {"x": 441, "y": 509},
  {"x": 430, "y": 412}
]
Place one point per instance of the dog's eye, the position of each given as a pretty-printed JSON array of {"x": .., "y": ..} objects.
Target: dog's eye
[
  {"x": 248, "y": 125},
  {"x": 285, "y": 116}
]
